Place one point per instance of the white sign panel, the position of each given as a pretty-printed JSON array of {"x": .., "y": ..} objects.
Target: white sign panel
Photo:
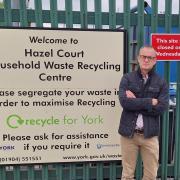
[{"x": 58, "y": 95}]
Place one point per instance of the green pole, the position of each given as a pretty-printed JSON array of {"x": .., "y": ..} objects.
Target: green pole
[
  {"x": 38, "y": 13},
  {"x": 165, "y": 122},
  {"x": 127, "y": 26},
  {"x": 98, "y": 14},
  {"x": 53, "y": 13},
  {"x": 69, "y": 17},
  {"x": 83, "y": 14}
]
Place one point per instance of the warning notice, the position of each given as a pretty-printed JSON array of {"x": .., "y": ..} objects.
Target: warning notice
[{"x": 167, "y": 46}]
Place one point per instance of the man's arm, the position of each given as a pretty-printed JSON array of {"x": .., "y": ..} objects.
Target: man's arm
[
  {"x": 162, "y": 102},
  {"x": 129, "y": 101}
]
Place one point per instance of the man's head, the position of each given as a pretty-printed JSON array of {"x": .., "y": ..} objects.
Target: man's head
[{"x": 146, "y": 58}]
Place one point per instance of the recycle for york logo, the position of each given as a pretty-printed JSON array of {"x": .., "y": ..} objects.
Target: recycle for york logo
[{"x": 14, "y": 121}]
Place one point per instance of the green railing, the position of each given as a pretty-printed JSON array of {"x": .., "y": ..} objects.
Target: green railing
[{"x": 98, "y": 170}]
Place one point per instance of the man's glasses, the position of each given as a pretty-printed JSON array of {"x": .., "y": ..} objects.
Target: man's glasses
[{"x": 149, "y": 58}]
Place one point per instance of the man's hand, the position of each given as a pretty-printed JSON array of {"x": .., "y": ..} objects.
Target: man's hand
[
  {"x": 130, "y": 94},
  {"x": 154, "y": 102}
]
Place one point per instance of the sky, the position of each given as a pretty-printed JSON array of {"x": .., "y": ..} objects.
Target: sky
[{"x": 105, "y": 5}]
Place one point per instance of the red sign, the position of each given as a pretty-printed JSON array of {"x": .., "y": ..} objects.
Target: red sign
[{"x": 167, "y": 46}]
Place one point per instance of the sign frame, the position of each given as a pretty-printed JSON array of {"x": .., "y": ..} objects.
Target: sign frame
[{"x": 5, "y": 137}]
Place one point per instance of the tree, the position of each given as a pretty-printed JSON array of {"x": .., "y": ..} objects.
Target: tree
[{"x": 1, "y": 5}]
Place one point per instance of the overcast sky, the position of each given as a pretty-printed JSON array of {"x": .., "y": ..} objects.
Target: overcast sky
[{"x": 105, "y": 5}]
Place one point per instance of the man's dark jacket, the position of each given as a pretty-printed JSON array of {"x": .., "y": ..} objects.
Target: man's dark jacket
[{"x": 155, "y": 87}]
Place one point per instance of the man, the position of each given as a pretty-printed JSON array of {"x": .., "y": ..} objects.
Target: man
[{"x": 143, "y": 95}]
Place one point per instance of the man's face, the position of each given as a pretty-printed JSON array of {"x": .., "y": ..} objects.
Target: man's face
[{"x": 147, "y": 58}]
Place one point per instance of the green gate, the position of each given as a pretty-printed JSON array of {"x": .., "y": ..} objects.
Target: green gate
[{"x": 68, "y": 18}]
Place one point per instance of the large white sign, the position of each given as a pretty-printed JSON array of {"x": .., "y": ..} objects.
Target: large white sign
[{"x": 58, "y": 95}]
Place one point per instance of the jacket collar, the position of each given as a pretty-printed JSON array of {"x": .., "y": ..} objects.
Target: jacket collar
[{"x": 152, "y": 71}]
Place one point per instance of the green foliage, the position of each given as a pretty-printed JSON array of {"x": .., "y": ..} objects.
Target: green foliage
[{"x": 1, "y": 5}]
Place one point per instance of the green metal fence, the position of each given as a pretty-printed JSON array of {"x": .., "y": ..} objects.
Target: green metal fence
[{"x": 24, "y": 17}]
